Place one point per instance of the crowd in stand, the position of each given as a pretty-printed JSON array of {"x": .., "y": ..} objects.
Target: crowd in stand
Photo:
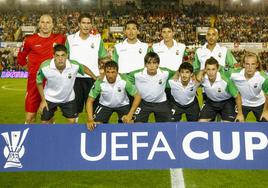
[{"x": 232, "y": 28}]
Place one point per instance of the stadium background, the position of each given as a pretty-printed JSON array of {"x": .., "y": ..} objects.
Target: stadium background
[{"x": 243, "y": 25}]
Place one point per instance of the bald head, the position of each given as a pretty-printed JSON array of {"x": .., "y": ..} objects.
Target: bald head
[
  {"x": 212, "y": 36},
  {"x": 45, "y": 25}
]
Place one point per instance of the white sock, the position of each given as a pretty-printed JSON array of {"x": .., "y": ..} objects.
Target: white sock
[{"x": 76, "y": 119}]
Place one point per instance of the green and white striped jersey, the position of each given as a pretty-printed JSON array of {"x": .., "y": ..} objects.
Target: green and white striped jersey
[
  {"x": 253, "y": 90},
  {"x": 59, "y": 85},
  {"x": 113, "y": 95},
  {"x": 222, "y": 89},
  {"x": 130, "y": 57},
  {"x": 170, "y": 58},
  {"x": 220, "y": 53},
  {"x": 151, "y": 88},
  {"x": 86, "y": 52}
]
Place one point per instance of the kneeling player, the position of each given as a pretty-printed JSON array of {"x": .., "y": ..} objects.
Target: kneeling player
[
  {"x": 183, "y": 90},
  {"x": 220, "y": 92},
  {"x": 151, "y": 83},
  {"x": 252, "y": 83},
  {"x": 60, "y": 74},
  {"x": 113, "y": 89}
]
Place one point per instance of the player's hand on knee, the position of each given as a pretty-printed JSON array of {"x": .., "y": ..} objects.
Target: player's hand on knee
[
  {"x": 127, "y": 119},
  {"x": 264, "y": 115},
  {"x": 43, "y": 105},
  {"x": 91, "y": 124},
  {"x": 239, "y": 118}
]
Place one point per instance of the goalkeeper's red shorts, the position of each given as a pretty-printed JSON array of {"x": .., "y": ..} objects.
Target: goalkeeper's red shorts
[{"x": 32, "y": 98}]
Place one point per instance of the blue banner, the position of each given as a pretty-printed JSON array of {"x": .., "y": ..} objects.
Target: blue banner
[{"x": 134, "y": 146}]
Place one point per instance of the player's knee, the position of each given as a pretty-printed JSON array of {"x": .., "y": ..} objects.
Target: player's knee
[
  {"x": 45, "y": 122},
  {"x": 204, "y": 120},
  {"x": 30, "y": 118},
  {"x": 71, "y": 120}
]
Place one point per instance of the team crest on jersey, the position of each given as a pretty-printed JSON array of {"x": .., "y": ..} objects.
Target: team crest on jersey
[
  {"x": 119, "y": 89},
  {"x": 219, "y": 90},
  {"x": 140, "y": 50},
  {"x": 69, "y": 75},
  {"x": 92, "y": 45},
  {"x": 177, "y": 52},
  {"x": 219, "y": 55},
  {"x": 160, "y": 82},
  {"x": 255, "y": 85},
  {"x": 191, "y": 88}
]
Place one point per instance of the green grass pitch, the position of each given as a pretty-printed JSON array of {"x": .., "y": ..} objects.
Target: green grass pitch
[{"x": 12, "y": 93}]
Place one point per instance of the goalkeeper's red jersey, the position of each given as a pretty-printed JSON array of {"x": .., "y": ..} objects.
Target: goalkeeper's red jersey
[{"x": 37, "y": 49}]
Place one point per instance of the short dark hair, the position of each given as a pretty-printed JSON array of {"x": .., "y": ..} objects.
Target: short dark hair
[
  {"x": 111, "y": 64},
  {"x": 186, "y": 66},
  {"x": 212, "y": 61},
  {"x": 60, "y": 47},
  {"x": 132, "y": 22},
  {"x": 84, "y": 15},
  {"x": 151, "y": 55},
  {"x": 167, "y": 25}
]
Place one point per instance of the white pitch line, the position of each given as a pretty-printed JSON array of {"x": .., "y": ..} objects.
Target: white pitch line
[
  {"x": 11, "y": 89},
  {"x": 177, "y": 179}
]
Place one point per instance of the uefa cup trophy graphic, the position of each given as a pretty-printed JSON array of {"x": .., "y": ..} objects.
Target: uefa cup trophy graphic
[{"x": 14, "y": 149}]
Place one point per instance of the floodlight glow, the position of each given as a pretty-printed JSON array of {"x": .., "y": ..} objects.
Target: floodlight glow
[
  {"x": 2, "y": 1},
  {"x": 43, "y": 1},
  {"x": 255, "y": 1},
  {"x": 24, "y": 1}
]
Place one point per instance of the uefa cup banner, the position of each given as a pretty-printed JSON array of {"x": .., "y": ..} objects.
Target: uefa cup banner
[{"x": 134, "y": 146}]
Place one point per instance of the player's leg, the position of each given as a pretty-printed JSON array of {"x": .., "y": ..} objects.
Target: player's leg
[
  {"x": 47, "y": 115},
  {"x": 246, "y": 110},
  {"x": 162, "y": 112},
  {"x": 257, "y": 111},
  {"x": 207, "y": 113},
  {"x": 228, "y": 113},
  {"x": 30, "y": 117},
  {"x": 69, "y": 111},
  {"x": 121, "y": 111},
  {"x": 142, "y": 113},
  {"x": 79, "y": 99},
  {"x": 192, "y": 112},
  {"x": 102, "y": 114},
  {"x": 176, "y": 112},
  {"x": 32, "y": 101},
  {"x": 87, "y": 85}
]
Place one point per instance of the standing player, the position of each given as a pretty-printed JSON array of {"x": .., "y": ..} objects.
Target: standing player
[
  {"x": 60, "y": 74},
  {"x": 212, "y": 49},
  {"x": 220, "y": 91},
  {"x": 151, "y": 83},
  {"x": 36, "y": 49},
  {"x": 252, "y": 83},
  {"x": 183, "y": 90},
  {"x": 130, "y": 53},
  {"x": 113, "y": 89},
  {"x": 86, "y": 48},
  {"x": 170, "y": 52}
]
